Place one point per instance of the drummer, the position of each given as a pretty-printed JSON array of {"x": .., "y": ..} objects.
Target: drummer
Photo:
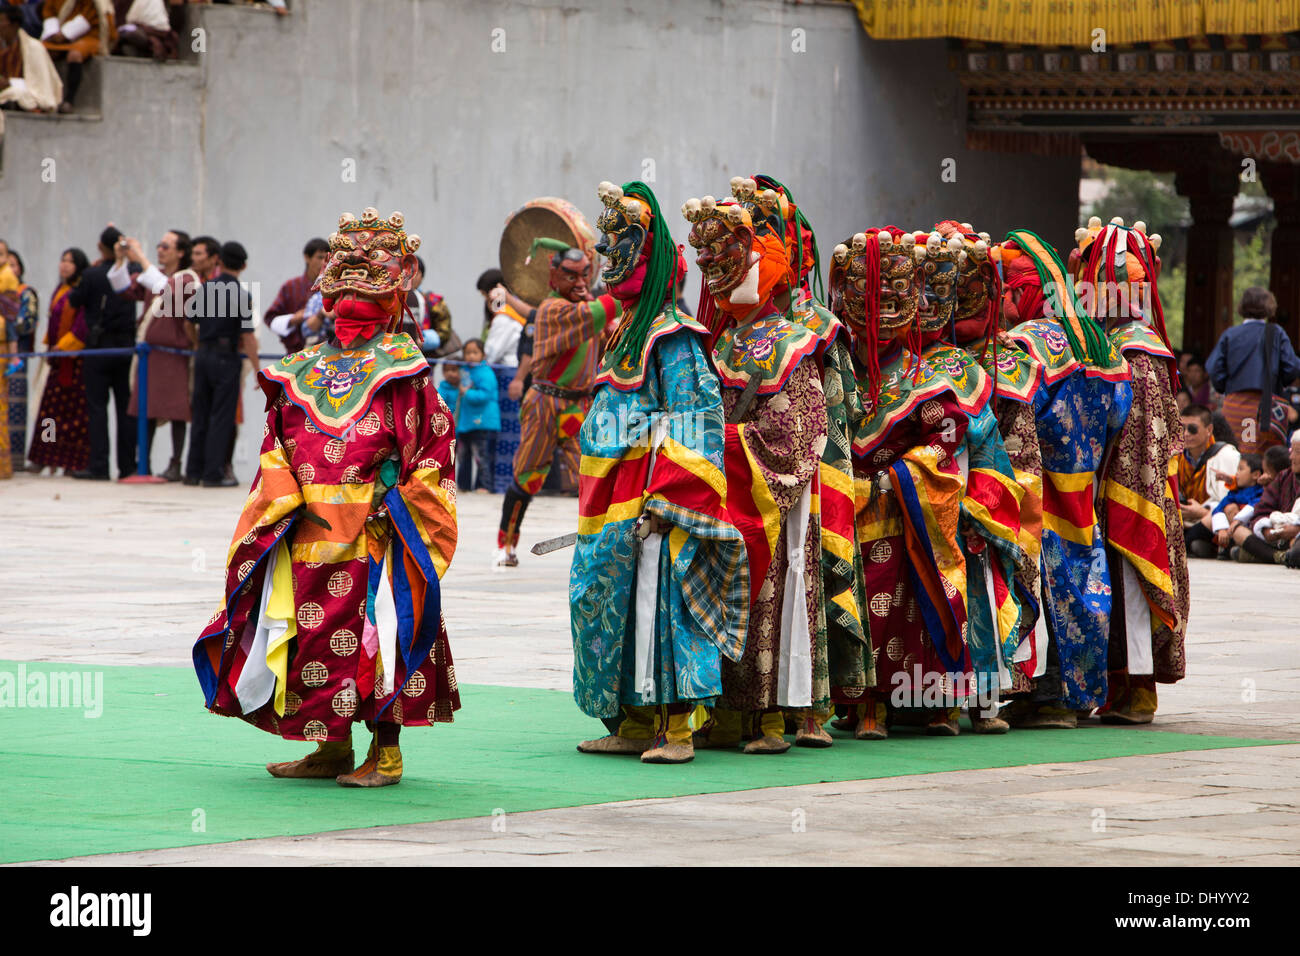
[{"x": 567, "y": 331}]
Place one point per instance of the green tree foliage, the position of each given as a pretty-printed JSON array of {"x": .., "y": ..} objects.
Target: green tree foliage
[
  {"x": 1135, "y": 194},
  {"x": 1173, "y": 299},
  {"x": 1250, "y": 264}
]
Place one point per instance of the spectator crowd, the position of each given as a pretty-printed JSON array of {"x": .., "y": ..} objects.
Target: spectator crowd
[
  {"x": 1239, "y": 473},
  {"x": 188, "y": 305}
]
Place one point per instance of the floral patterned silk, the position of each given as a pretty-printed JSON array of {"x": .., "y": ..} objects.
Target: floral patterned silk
[{"x": 1078, "y": 414}]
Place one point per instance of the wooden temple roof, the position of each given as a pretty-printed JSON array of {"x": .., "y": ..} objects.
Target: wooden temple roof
[
  {"x": 1072, "y": 22},
  {"x": 1043, "y": 76}
]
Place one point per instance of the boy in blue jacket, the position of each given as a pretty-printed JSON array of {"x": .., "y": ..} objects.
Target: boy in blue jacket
[{"x": 1209, "y": 538}]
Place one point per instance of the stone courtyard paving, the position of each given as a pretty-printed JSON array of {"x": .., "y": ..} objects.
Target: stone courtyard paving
[{"x": 106, "y": 574}]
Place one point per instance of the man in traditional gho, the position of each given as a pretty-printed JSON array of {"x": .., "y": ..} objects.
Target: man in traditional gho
[
  {"x": 333, "y": 612},
  {"x": 1117, "y": 267},
  {"x": 1079, "y": 406},
  {"x": 1016, "y": 377},
  {"x": 841, "y": 633},
  {"x": 567, "y": 331},
  {"x": 776, "y": 433},
  {"x": 659, "y": 589},
  {"x": 907, "y": 484},
  {"x": 991, "y": 500},
  {"x": 79, "y": 30},
  {"x": 165, "y": 289}
]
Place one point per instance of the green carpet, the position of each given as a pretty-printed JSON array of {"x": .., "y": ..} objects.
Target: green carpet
[{"x": 156, "y": 770}]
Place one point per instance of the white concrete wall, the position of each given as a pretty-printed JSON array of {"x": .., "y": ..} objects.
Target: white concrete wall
[{"x": 250, "y": 143}]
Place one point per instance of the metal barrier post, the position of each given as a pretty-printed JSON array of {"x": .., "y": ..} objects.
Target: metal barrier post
[{"x": 142, "y": 476}]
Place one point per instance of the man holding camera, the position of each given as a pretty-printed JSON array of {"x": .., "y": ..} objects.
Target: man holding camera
[{"x": 110, "y": 323}]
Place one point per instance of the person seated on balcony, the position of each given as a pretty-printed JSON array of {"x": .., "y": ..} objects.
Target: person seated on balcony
[
  {"x": 77, "y": 30},
  {"x": 279, "y": 6},
  {"x": 28, "y": 80},
  {"x": 146, "y": 30}
]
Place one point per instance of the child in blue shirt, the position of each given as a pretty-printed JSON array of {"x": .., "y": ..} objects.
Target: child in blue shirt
[
  {"x": 470, "y": 391},
  {"x": 1247, "y": 491},
  {"x": 449, "y": 390}
]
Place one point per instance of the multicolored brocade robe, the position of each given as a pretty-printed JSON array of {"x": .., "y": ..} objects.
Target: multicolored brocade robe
[
  {"x": 843, "y": 628},
  {"x": 907, "y": 491},
  {"x": 773, "y": 459},
  {"x": 1018, "y": 379},
  {"x": 566, "y": 349},
  {"x": 1079, "y": 409},
  {"x": 990, "y": 526},
  {"x": 1143, "y": 523},
  {"x": 652, "y": 621},
  {"x": 317, "y": 621}
]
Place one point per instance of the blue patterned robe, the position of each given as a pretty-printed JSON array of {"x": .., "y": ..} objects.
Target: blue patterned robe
[
  {"x": 1079, "y": 410},
  {"x": 703, "y": 585}
]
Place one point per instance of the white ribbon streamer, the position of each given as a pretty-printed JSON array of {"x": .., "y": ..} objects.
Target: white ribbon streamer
[
  {"x": 794, "y": 671},
  {"x": 256, "y": 681}
]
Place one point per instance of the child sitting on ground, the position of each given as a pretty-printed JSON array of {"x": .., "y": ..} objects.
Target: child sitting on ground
[
  {"x": 1252, "y": 530},
  {"x": 1245, "y": 492}
]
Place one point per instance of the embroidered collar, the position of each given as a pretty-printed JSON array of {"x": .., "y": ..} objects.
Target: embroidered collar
[
  {"x": 627, "y": 376},
  {"x": 769, "y": 347},
  {"x": 334, "y": 386}
]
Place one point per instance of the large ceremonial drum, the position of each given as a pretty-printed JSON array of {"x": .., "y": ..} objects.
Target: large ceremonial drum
[{"x": 548, "y": 217}]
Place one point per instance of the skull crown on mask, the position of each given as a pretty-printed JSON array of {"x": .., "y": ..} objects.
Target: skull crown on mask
[
  {"x": 624, "y": 227},
  {"x": 370, "y": 257},
  {"x": 898, "y": 292},
  {"x": 722, "y": 235},
  {"x": 939, "y": 274}
]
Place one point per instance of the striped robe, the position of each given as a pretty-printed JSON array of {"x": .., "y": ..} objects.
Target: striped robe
[{"x": 566, "y": 348}]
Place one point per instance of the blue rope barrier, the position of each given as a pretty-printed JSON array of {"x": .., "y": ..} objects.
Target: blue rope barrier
[
  {"x": 123, "y": 350},
  {"x": 142, "y": 411}
]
